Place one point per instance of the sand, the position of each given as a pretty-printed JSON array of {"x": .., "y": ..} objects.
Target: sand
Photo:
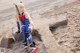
[{"x": 66, "y": 37}]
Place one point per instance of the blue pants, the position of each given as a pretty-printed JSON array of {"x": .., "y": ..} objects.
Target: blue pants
[
  {"x": 26, "y": 32},
  {"x": 27, "y": 36}
]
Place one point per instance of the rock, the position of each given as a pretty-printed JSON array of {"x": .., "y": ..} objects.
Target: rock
[
  {"x": 18, "y": 37},
  {"x": 62, "y": 20},
  {"x": 6, "y": 42},
  {"x": 36, "y": 34}
]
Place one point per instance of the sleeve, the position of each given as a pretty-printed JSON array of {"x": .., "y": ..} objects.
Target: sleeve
[{"x": 18, "y": 24}]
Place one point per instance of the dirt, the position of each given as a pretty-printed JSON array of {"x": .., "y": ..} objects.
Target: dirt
[{"x": 67, "y": 37}]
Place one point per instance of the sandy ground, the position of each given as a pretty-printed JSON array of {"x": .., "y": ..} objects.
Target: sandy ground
[
  {"x": 7, "y": 16},
  {"x": 67, "y": 37}
]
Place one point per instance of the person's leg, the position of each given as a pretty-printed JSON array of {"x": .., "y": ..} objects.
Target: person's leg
[
  {"x": 28, "y": 31},
  {"x": 31, "y": 40},
  {"x": 24, "y": 35},
  {"x": 29, "y": 36}
]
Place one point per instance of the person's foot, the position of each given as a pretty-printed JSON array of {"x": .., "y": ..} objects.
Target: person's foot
[
  {"x": 33, "y": 44},
  {"x": 34, "y": 49},
  {"x": 25, "y": 47}
]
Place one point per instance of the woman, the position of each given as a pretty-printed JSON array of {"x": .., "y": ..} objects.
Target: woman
[{"x": 24, "y": 20}]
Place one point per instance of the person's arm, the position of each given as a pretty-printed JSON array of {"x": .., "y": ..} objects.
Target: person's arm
[
  {"x": 18, "y": 24},
  {"x": 30, "y": 20},
  {"x": 28, "y": 17}
]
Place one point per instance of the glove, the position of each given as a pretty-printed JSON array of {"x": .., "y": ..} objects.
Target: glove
[
  {"x": 18, "y": 26},
  {"x": 18, "y": 32}
]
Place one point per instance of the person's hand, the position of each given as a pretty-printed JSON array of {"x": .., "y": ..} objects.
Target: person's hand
[
  {"x": 31, "y": 27},
  {"x": 18, "y": 31}
]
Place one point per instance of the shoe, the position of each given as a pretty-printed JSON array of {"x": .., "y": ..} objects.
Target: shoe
[
  {"x": 33, "y": 44},
  {"x": 34, "y": 50},
  {"x": 25, "y": 47}
]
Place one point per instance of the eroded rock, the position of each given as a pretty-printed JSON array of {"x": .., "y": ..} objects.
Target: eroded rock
[{"x": 6, "y": 42}]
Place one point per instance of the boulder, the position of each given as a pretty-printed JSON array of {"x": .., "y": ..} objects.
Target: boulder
[
  {"x": 6, "y": 42},
  {"x": 18, "y": 37}
]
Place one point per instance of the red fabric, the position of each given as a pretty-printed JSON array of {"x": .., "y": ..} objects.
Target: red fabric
[
  {"x": 34, "y": 51},
  {"x": 22, "y": 17}
]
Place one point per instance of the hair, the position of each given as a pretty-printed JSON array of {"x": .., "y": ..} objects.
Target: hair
[{"x": 20, "y": 5}]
